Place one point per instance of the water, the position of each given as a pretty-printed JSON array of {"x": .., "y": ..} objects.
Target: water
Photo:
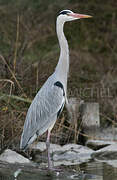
[{"x": 86, "y": 171}]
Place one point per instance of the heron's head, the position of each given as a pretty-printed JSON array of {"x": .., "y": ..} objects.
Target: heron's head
[{"x": 68, "y": 15}]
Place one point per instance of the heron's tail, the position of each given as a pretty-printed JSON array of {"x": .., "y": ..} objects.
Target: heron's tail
[{"x": 25, "y": 144}]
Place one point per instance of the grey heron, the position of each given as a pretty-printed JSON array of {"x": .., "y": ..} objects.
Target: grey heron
[{"x": 50, "y": 100}]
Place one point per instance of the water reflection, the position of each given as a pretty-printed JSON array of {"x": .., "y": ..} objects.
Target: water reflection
[
  {"x": 103, "y": 170},
  {"x": 88, "y": 171}
]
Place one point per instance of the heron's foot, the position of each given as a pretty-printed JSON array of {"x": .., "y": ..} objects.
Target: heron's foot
[
  {"x": 55, "y": 169},
  {"x": 51, "y": 166}
]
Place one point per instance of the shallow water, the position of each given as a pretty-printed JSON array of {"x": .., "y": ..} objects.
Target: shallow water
[{"x": 86, "y": 171}]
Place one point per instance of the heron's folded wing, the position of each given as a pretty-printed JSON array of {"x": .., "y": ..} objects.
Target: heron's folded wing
[{"x": 42, "y": 113}]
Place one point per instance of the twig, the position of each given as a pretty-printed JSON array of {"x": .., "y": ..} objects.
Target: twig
[
  {"x": 85, "y": 135},
  {"x": 3, "y": 96},
  {"x": 16, "y": 44},
  {"x": 109, "y": 119},
  {"x": 7, "y": 80},
  {"x": 3, "y": 59}
]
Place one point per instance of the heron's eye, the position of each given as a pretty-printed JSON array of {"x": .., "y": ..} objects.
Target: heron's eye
[{"x": 65, "y": 12}]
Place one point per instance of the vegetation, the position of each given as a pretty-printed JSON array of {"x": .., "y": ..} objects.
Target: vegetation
[{"x": 29, "y": 52}]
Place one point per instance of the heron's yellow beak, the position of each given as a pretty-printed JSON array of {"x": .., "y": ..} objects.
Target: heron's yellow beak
[{"x": 79, "y": 16}]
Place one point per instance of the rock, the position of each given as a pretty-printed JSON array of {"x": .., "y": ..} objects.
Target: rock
[
  {"x": 106, "y": 134},
  {"x": 72, "y": 154},
  {"x": 98, "y": 144},
  {"x": 107, "y": 154},
  {"x": 63, "y": 155},
  {"x": 38, "y": 151},
  {"x": 112, "y": 163},
  {"x": 13, "y": 157},
  {"x": 90, "y": 115},
  {"x": 41, "y": 146}
]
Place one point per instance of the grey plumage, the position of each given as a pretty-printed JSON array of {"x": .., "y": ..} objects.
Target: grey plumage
[
  {"x": 49, "y": 101},
  {"x": 42, "y": 113}
]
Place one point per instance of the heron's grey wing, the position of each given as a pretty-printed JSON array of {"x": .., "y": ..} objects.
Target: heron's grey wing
[{"x": 42, "y": 113}]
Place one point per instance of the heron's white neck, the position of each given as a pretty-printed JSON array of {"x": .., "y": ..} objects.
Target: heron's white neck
[{"x": 62, "y": 67}]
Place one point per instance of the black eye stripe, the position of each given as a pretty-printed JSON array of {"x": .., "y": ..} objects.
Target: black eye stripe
[{"x": 64, "y": 12}]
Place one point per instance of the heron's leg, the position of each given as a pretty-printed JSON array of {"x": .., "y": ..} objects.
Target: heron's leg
[
  {"x": 48, "y": 150},
  {"x": 50, "y": 167}
]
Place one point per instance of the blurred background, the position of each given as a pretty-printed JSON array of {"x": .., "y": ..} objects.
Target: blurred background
[{"x": 29, "y": 52}]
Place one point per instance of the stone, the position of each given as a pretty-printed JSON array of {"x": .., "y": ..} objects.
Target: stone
[
  {"x": 107, "y": 154},
  {"x": 107, "y": 134},
  {"x": 98, "y": 144},
  {"x": 90, "y": 115},
  {"x": 71, "y": 154},
  {"x": 73, "y": 107},
  {"x": 63, "y": 155},
  {"x": 112, "y": 163},
  {"x": 41, "y": 146},
  {"x": 10, "y": 156}
]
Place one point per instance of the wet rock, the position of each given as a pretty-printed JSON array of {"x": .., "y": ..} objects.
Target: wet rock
[
  {"x": 39, "y": 153},
  {"x": 107, "y": 154},
  {"x": 112, "y": 163},
  {"x": 72, "y": 154},
  {"x": 13, "y": 157},
  {"x": 98, "y": 144},
  {"x": 63, "y": 155},
  {"x": 41, "y": 146}
]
